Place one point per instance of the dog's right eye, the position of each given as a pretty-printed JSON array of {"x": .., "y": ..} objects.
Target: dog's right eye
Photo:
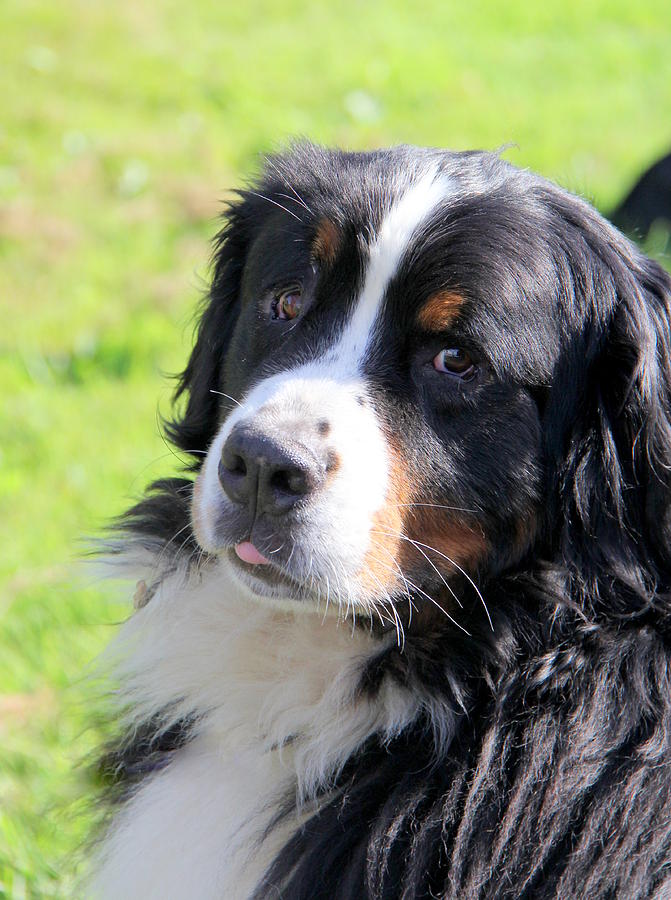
[
  {"x": 455, "y": 361},
  {"x": 287, "y": 304}
]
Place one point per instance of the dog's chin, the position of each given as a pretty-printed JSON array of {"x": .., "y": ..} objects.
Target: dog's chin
[{"x": 268, "y": 583}]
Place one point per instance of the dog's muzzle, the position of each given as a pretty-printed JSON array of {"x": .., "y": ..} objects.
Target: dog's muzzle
[{"x": 292, "y": 484}]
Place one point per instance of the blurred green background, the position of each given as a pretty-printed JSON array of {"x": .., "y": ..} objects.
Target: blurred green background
[{"x": 122, "y": 125}]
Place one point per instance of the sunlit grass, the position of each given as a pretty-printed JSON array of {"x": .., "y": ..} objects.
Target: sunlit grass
[{"x": 123, "y": 124}]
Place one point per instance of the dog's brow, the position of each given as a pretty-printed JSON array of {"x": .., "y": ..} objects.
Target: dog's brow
[
  {"x": 440, "y": 311},
  {"x": 327, "y": 241},
  {"x": 385, "y": 254}
]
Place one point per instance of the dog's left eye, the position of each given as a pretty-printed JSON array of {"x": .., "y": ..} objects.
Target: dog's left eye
[
  {"x": 287, "y": 304},
  {"x": 454, "y": 361}
]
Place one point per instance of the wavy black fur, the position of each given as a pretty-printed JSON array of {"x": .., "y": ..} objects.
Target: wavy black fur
[{"x": 555, "y": 785}]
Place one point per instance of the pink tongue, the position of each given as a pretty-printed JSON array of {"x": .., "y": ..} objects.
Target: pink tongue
[{"x": 249, "y": 554}]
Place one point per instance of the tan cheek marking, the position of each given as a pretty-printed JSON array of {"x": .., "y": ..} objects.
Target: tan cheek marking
[
  {"x": 379, "y": 571},
  {"x": 390, "y": 554},
  {"x": 448, "y": 536},
  {"x": 326, "y": 242},
  {"x": 440, "y": 311}
]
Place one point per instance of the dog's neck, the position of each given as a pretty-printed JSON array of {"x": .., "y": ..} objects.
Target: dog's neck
[
  {"x": 277, "y": 708},
  {"x": 249, "y": 674}
]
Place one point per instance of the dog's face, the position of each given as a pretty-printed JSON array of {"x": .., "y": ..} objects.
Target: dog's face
[{"x": 388, "y": 373}]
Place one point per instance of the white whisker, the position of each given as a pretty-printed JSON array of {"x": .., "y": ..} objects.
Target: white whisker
[
  {"x": 464, "y": 573},
  {"x": 420, "y": 590},
  {"x": 296, "y": 199},
  {"x": 228, "y": 396},
  {"x": 418, "y": 544},
  {"x": 416, "y": 587},
  {"x": 439, "y": 506},
  {"x": 441, "y": 576},
  {"x": 275, "y": 203}
]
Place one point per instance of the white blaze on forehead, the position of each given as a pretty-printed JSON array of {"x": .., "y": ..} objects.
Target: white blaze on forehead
[{"x": 385, "y": 255}]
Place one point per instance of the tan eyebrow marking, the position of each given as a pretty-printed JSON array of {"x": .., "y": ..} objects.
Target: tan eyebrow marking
[
  {"x": 326, "y": 242},
  {"x": 440, "y": 311}
]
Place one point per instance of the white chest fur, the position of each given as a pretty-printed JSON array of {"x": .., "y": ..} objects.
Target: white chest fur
[{"x": 275, "y": 695}]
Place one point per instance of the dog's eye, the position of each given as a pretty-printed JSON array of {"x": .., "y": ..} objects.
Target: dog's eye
[
  {"x": 287, "y": 305},
  {"x": 454, "y": 361}
]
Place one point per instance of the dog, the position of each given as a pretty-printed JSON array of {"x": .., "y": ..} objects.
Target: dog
[
  {"x": 648, "y": 203},
  {"x": 402, "y": 630}
]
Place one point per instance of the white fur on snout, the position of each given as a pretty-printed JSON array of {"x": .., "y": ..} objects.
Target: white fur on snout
[{"x": 334, "y": 532}]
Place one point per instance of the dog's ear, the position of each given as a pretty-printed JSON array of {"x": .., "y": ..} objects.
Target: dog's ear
[
  {"x": 615, "y": 481},
  {"x": 195, "y": 426}
]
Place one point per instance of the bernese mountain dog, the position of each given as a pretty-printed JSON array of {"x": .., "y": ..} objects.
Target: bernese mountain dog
[{"x": 403, "y": 630}]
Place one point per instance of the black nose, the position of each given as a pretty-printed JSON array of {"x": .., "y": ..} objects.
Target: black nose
[{"x": 268, "y": 472}]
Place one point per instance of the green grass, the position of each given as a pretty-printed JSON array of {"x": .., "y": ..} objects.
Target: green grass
[{"x": 121, "y": 127}]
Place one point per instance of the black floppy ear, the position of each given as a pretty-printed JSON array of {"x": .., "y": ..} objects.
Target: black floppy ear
[
  {"x": 194, "y": 429},
  {"x": 616, "y": 481},
  {"x": 641, "y": 336},
  {"x": 164, "y": 512}
]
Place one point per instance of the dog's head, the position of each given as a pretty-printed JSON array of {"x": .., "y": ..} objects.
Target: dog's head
[{"x": 417, "y": 369}]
